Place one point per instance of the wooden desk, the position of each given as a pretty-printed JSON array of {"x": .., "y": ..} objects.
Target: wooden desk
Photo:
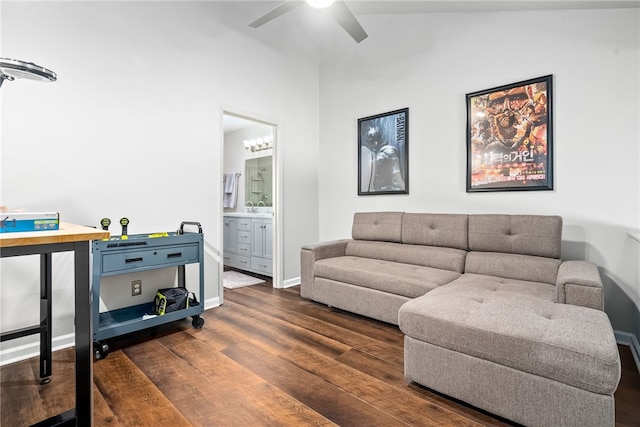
[{"x": 74, "y": 238}]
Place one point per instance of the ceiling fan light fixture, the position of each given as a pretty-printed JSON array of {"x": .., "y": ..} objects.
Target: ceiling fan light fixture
[
  {"x": 339, "y": 11},
  {"x": 320, "y": 4}
]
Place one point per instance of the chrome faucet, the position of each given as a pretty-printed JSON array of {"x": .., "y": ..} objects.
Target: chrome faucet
[
  {"x": 260, "y": 201},
  {"x": 249, "y": 209}
]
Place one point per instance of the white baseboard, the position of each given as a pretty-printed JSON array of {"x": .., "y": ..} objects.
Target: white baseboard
[
  {"x": 291, "y": 282},
  {"x": 212, "y": 303},
  {"x": 26, "y": 351},
  {"x": 626, "y": 338}
]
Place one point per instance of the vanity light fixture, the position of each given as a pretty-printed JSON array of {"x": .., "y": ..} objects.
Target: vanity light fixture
[{"x": 258, "y": 144}]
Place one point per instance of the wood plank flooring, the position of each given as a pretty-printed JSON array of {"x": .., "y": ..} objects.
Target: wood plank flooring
[{"x": 264, "y": 358}]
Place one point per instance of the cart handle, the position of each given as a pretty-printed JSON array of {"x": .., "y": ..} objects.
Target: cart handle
[{"x": 194, "y": 223}]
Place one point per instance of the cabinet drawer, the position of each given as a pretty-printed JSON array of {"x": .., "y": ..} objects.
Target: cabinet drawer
[
  {"x": 231, "y": 260},
  {"x": 244, "y": 262},
  {"x": 244, "y": 224},
  {"x": 131, "y": 260},
  {"x": 244, "y": 249},
  {"x": 262, "y": 265},
  {"x": 244, "y": 237},
  {"x": 237, "y": 261}
]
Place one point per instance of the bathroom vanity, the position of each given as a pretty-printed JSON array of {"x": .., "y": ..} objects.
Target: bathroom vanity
[{"x": 248, "y": 242}]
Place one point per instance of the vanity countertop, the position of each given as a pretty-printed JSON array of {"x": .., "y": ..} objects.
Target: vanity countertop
[{"x": 249, "y": 215}]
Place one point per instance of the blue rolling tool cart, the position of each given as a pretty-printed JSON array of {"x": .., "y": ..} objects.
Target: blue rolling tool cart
[{"x": 143, "y": 252}]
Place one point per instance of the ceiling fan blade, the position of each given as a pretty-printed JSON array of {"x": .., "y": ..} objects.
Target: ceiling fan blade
[
  {"x": 276, "y": 12},
  {"x": 347, "y": 20}
]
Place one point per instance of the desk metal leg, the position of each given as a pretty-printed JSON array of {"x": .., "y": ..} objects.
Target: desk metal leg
[
  {"x": 84, "y": 337},
  {"x": 45, "y": 318}
]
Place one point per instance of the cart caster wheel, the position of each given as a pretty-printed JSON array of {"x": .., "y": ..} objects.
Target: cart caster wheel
[
  {"x": 197, "y": 322},
  {"x": 101, "y": 350}
]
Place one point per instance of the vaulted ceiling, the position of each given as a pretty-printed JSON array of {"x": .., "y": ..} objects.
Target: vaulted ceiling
[{"x": 310, "y": 31}]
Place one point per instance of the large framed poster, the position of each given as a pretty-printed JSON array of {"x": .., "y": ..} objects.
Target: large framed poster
[
  {"x": 510, "y": 137},
  {"x": 383, "y": 153}
]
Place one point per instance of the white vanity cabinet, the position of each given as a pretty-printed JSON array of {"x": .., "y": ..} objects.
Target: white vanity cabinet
[
  {"x": 262, "y": 246},
  {"x": 248, "y": 242}
]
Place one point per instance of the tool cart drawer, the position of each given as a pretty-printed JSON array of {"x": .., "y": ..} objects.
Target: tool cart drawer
[{"x": 130, "y": 260}]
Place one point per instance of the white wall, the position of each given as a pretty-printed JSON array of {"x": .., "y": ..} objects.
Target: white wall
[
  {"x": 133, "y": 127},
  {"x": 428, "y": 63}
]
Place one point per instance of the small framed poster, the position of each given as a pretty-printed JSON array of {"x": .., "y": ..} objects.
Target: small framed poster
[{"x": 383, "y": 153}]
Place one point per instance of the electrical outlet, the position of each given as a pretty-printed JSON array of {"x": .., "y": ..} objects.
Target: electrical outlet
[{"x": 136, "y": 288}]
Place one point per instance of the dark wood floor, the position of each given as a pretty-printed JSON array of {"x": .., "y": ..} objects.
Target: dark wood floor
[{"x": 266, "y": 357}]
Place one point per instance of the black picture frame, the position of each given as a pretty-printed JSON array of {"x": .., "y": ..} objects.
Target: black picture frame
[
  {"x": 510, "y": 137},
  {"x": 383, "y": 153}
]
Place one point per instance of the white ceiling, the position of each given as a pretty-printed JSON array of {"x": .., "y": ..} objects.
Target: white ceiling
[
  {"x": 386, "y": 7},
  {"x": 312, "y": 33},
  {"x": 232, "y": 123}
]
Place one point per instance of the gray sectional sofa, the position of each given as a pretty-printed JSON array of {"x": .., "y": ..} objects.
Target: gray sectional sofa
[{"x": 491, "y": 314}]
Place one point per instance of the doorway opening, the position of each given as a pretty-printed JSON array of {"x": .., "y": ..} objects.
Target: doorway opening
[{"x": 250, "y": 201}]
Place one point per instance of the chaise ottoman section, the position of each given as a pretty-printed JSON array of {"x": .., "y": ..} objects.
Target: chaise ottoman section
[{"x": 519, "y": 356}]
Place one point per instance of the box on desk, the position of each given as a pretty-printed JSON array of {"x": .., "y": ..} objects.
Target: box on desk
[{"x": 28, "y": 221}]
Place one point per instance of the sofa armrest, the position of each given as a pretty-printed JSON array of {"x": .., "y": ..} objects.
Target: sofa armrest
[
  {"x": 579, "y": 283},
  {"x": 311, "y": 253}
]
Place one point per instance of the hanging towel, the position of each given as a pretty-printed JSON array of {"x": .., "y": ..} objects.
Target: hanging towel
[
  {"x": 230, "y": 196},
  {"x": 229, "y": 183}
]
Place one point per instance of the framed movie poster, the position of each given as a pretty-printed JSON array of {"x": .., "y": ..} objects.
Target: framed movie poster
[
  {"x": 383, "y": 150},
  {"x": 510, "y": 137}
]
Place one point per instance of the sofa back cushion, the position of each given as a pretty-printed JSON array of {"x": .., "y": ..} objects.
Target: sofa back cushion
[
  {"x": 446, "y": 230},
  {"x": 381, "y": 226},
  {"x": 428, "y": 256},
  {"x": 536, "y": 235},
  {"x": 513, "y": 266}
]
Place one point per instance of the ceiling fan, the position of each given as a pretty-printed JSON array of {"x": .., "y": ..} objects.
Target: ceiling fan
[{"x": 337, "y": 8}]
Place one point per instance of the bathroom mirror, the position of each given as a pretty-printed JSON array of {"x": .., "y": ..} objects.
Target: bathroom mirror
[{"x": 259, "y": 179}]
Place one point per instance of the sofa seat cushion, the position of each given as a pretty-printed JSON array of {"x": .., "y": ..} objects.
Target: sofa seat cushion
[
  {"x": 387, "y": 276},
  {"x": 504, "y": 285},
  {"x": 569, "y": 344}
]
